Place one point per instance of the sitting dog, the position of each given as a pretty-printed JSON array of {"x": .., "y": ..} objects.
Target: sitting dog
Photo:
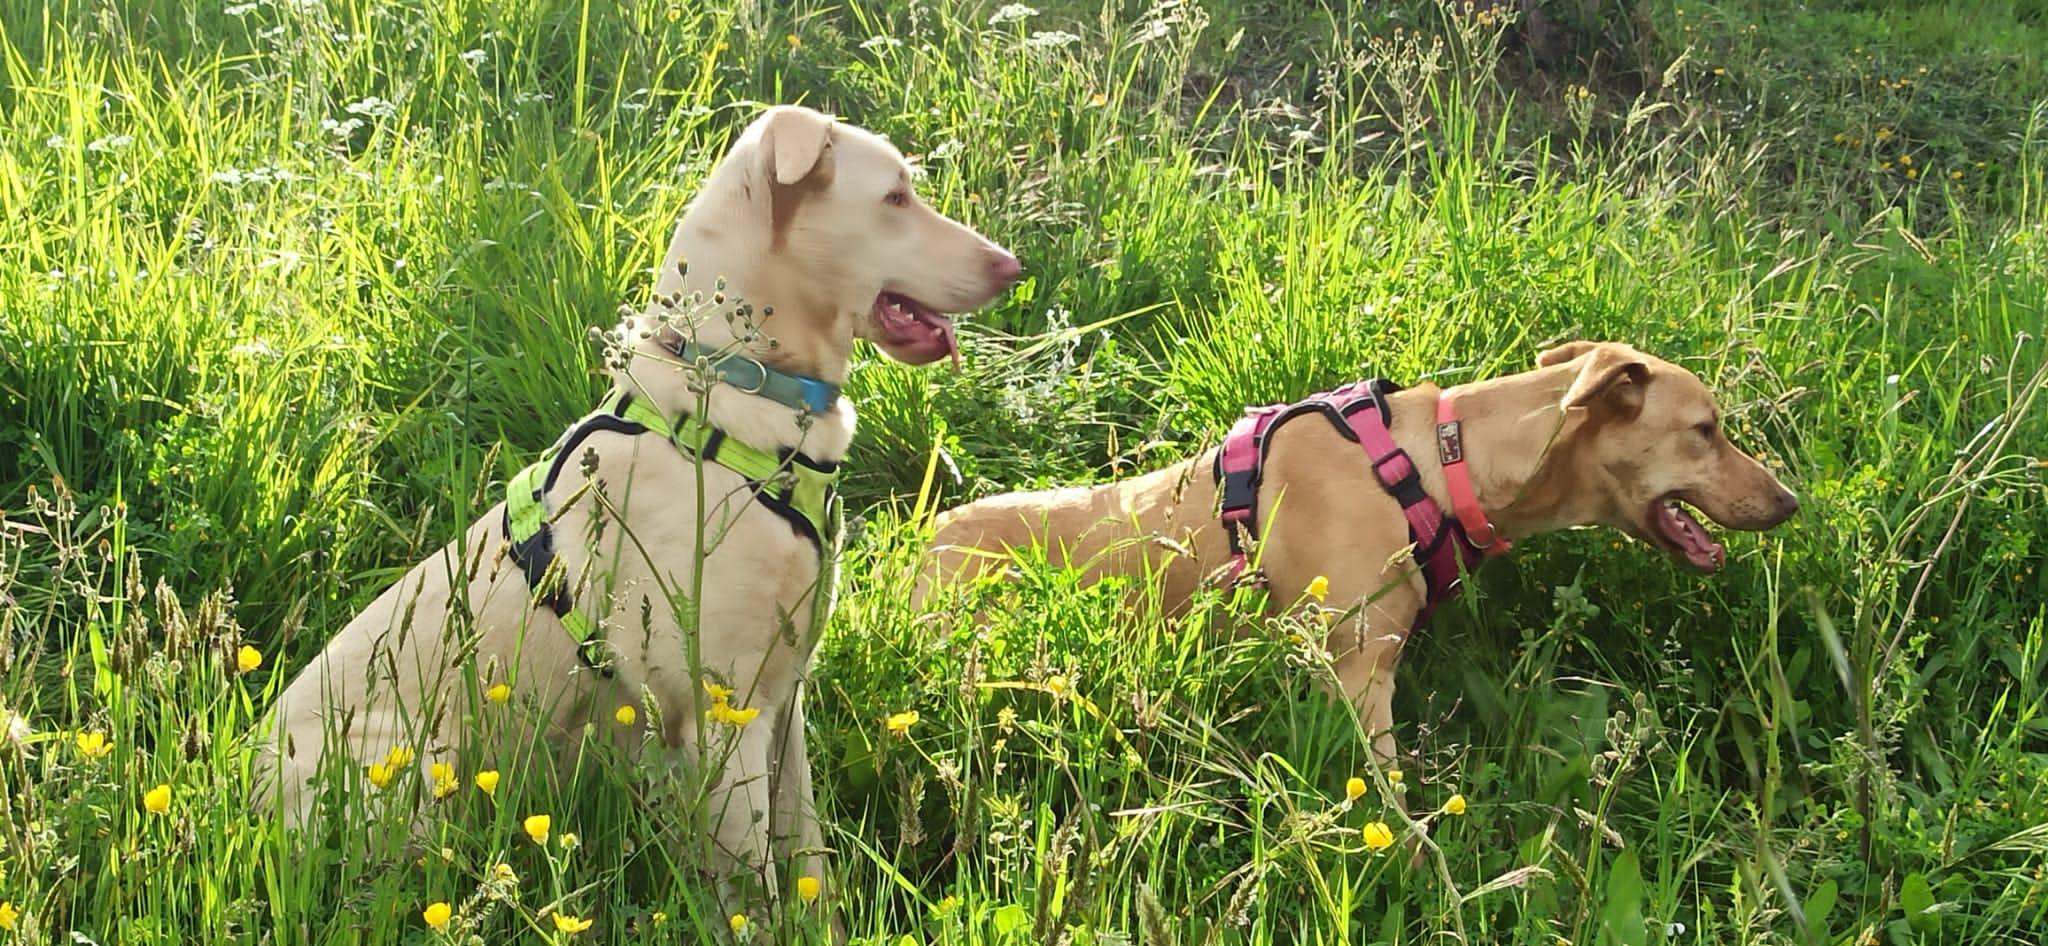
[
  {"x": 674, "y": 552},
  {"x": 1596, "y": 434}
]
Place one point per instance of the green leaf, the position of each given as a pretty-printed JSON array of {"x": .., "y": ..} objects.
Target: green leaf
[
  {"x": 1918, "y": 901},
  {"x": 1621, "y": 918},
  {"x": 1010, "y": 919},
  {"x": 1818, "y": 905}
]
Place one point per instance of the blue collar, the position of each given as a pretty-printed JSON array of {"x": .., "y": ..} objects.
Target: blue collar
[{"x": 744, "y": 372}]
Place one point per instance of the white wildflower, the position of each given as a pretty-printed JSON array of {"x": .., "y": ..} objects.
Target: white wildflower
[{"x": 1011, "y": 13}]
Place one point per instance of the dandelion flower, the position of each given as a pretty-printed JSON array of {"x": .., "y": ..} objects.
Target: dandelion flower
[
  {"x": 1353, "y": 787},
  {"x": 1319, "y": 587},
  {"x": 738, "y": 923},
  {"x": 498, "y": 693},
  {"x": 488, "y": 781},
  {"x": 537, "y": 827},
  {"x": 1454, "y": 805},
  {"x": 445, "y": 782},
  {"x": 380, "y": 774},
  {"x": 94, "y": 745},
  {"x": 8, "y": 914},
  {"x": 900, "y": 723},
  {"x": 1378, "y": 836},
  {"x": 626, "y": 714},
  {"x": 1912, "y": 174},
  {"x": 399, "y": 757},
  {"x": 570, "y": 924},
  {"x": 717, "y": 693},
  {"x": 807, "y": 888},
  {"x": 437, "y": 914},
  {"x": 248, "y": 659},
  {"x": 157, "y": 801}
]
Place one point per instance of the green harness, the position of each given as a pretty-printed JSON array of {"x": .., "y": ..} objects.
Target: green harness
[{"x": 801, "y": 490}]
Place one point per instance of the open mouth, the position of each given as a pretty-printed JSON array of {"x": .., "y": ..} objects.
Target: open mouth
[
  {"x": 1681, "y": 533},
  {"x": 912, "y": 332}
]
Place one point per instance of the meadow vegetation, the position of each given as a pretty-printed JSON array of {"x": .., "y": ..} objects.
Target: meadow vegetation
[{"x": 289, "y": 287}]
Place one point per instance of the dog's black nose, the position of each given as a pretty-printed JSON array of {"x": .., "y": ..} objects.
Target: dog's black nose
[{"x": 1788, "y": 505}]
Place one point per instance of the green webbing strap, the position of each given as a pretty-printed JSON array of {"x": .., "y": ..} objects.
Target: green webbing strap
[{"x": 804, "y": 490}]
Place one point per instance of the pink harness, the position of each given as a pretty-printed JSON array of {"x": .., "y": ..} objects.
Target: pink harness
[{"x": 1443, "y": 548}]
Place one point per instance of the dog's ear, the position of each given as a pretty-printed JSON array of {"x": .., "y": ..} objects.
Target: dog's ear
[
  {"x": 1612, "y": 374},
  {"x": 1564, "y": 353},
  {"x": 796, "y": 141}
]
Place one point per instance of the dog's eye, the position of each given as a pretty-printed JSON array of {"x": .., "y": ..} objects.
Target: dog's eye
[
  {"x": 1707, "y": 429},
  {"x": 897, "y": 198}
]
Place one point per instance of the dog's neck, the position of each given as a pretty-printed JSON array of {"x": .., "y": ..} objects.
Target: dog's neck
[
  {"x": 1512, "y": 427},
  {"x": 786, "y": 332}
]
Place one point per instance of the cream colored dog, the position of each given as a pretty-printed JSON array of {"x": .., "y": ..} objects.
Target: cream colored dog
[
  {"x": 1597, "y": 434},
  {"x": 814, "y": 225}
]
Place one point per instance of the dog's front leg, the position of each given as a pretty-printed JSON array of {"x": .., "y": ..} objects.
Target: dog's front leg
[
  {"x": 800, "y": 841},
  {"x": 740, "y": 807}
]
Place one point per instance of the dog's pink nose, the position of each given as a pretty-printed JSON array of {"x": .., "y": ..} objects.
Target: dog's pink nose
[{"x": 1003, "y": 266}]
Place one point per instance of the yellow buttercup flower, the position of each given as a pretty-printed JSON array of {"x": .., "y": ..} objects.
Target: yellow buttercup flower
[
  {"x": 157, "y": 801},
  {"x": 488, "y": 781},
  {"x": 572, "y": 925},
  {"x": 626, "y": 714},
  {"x": 738, "y": 922},
  {"x": 793, "y": 41},
  {"x": 445, "y": 782},
  {"x": 8, "y": 914},
  {"x": 94, "y": 745},
  {"x": 900, "y": 723},
  {"x": 569, "y": 840},
  {"x": 380, "y": 774},
  {"x": 660, "y": 917},
  {"x": 498, "y": 693},
  {"x": 1353, "y": 787},
  {"x": 437, "y": 914},
  {"x": 503, "y": 872},
  {"x": 248, "y": 658},
  {"x": 1394, "y": 776},
  {"x": 1378, "y": 836},
  {"x": 537, "y": 827},
  {"x": 1319, "y": 587},
  {"x": 1057, "y": 684},
  {"x": 723, "y": 712},
  {"x": 807, "y": 888},
  {"x": 1454, "y": 805}
]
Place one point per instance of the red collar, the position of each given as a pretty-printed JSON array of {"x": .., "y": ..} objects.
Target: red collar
[{"x": 1450, "y": 452}]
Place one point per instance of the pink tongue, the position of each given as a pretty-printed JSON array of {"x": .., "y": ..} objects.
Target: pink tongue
[
  {"x": 952, "y": 343},
  {"x": 1692, "y": 538}
]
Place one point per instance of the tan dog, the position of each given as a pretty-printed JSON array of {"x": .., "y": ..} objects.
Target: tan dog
[
  {"x": 1597, "y": 434},
  {"x": 814, "y": 225}
]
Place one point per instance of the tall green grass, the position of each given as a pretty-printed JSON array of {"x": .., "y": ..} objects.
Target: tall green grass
[{"x": 288, "y": 288}]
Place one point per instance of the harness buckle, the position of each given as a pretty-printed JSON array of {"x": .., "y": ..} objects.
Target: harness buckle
[
  {"x": 1406, "y": 484},
  {"x": 1240, "y": 493}
]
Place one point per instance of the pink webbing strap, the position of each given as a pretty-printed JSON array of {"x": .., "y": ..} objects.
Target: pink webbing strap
[
  {"x": 1450, "y": 451},
  {"x": 1237, "y": 477},
  {"x": 1436, "y": 552}
]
